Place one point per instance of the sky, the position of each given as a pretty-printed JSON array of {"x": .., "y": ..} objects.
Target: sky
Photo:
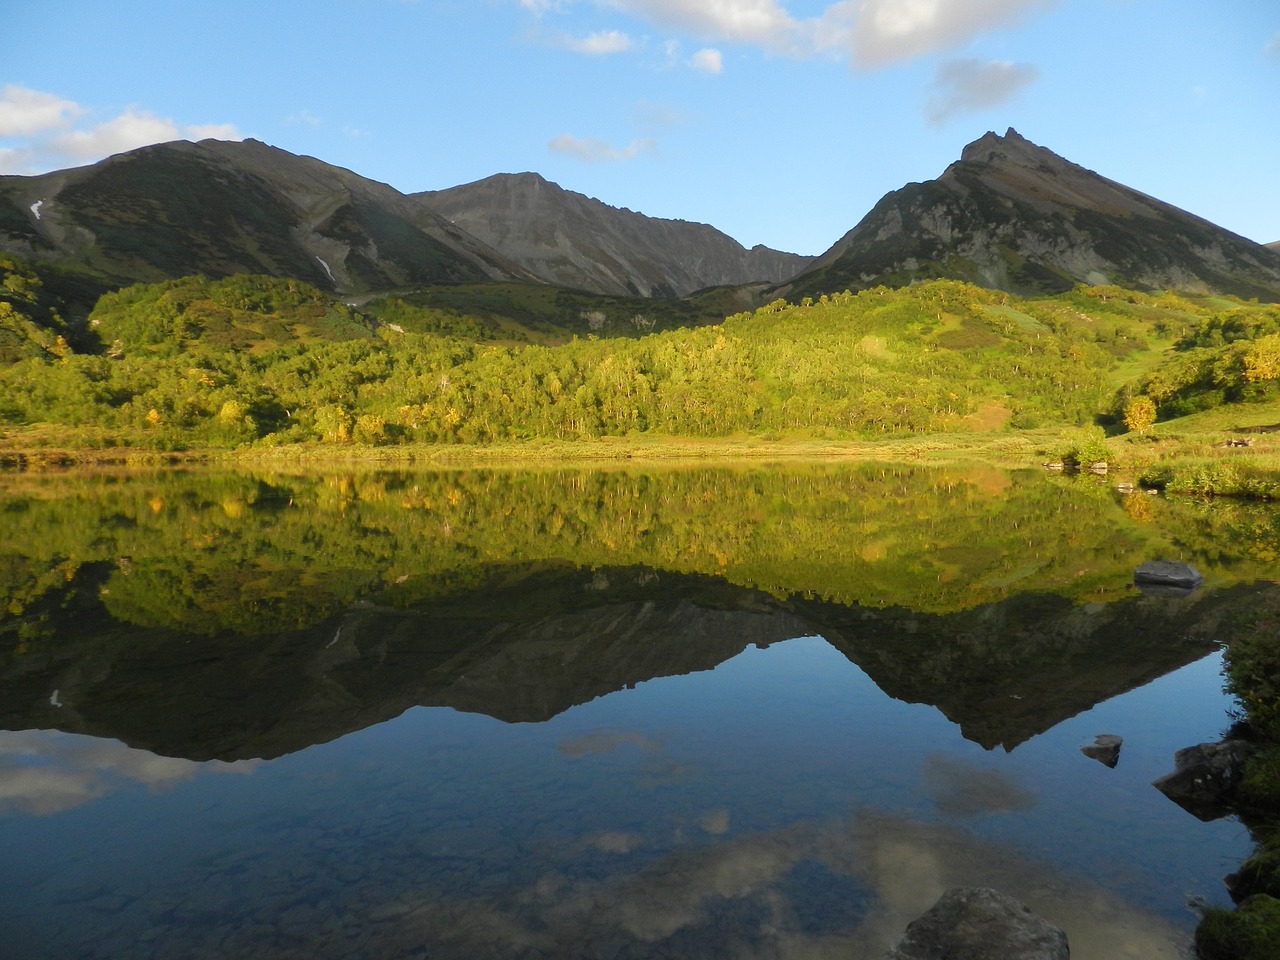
[{"x": 780, "y": 122}]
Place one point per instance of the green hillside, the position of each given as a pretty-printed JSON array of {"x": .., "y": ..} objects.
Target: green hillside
[{"x": 200, "y": 363}]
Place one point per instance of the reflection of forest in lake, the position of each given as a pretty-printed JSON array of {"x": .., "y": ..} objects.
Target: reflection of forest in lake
[
  {"x": 325, "y": 603},
  {"x": 197, "y": 616}
]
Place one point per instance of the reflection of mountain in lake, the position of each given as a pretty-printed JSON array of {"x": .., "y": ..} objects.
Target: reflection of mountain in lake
[
  {"x": 534, "y": 642},
  {"x": 1010, "y": 670}
]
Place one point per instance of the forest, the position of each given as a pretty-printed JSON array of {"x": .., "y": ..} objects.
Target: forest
[{"x": 253, "y": 361}]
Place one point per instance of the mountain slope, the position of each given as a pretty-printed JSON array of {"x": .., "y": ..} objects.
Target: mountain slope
[
  {"x": 1015, "y": 216},
  {"x": 220, "y": 208},
  {"x": 569, "y": 239}
]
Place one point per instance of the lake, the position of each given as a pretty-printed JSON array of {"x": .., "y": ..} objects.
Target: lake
[{"x": 732, "y": 711}]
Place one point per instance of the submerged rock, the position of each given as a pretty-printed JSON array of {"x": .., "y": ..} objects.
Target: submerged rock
[
  {"x": 1205, "y": 777},
  {"x": 977, "y": 923},
  {"x": 1105, "y": 749}
]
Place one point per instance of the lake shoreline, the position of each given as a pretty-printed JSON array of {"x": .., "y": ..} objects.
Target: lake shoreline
[
  {"x": 1182, "y": 465},
  {"x": 1005, "y": 450}
]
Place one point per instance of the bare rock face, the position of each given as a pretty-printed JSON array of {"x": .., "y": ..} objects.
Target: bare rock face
[{"x": 977, "y": 923}]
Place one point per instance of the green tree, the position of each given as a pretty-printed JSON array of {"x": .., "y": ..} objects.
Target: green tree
[{"x": 1139, "y": 414}]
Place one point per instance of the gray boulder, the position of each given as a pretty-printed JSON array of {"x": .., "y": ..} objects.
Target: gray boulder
[
  {"x": 976, "y": 923},
  {"x": 1105, "y": 749},
  {"x": 1167, "y": 573},
  {"x": 1205, "y": 777}
]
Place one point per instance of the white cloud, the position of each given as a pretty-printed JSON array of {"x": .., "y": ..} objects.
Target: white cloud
[
  {"x": 45, "y": 772},
  {"x": 599, "y": 44},
  {"x": 964, "y": 86},
  {"x": 24, "y": 112},
  {"x": 1273, "y": 46},
  {"x": 133, "y": 128},
  {"x": 873, "y": 32},
  {"x": 888, "y": 30},
  {"x": 745, "y": 21},
  {"x": 708, "y": 60},
  {"x": 47, "y": 136},
  {"x": 595, "y": 151},
  {"x": 212, "y": 131}
]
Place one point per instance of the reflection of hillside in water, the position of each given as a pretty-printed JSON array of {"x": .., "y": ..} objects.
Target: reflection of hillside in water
[{"x": 218, "y": 616}]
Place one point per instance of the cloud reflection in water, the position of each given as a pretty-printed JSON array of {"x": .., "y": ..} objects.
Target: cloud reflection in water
[{"x": 44, "y": 772}]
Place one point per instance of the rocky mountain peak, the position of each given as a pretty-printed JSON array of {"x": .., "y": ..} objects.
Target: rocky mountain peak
[
  {"x": 1013, "y": 215},
  {"x": 991, "y": 148}
]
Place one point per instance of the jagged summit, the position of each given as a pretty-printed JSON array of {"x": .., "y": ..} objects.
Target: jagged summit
[
  {"x": 1013, "y": 215},
  {"x": 990, "y": 145}
]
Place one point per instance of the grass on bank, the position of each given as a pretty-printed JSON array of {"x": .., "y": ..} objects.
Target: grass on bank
[
  {"x": 45, "y": 445},
  {"x": 1186, "y": 456}
]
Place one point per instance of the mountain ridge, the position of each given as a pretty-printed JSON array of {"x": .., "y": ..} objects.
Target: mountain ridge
[
  {"x": 1009, "y": 214},
  {"x": 224, "y": 207},
  {"x": 570, "y": 239},
  {"x": 1012, "y": 215}
]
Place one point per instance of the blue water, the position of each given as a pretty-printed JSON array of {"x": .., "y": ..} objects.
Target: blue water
[{"x": 779, "y": 805}]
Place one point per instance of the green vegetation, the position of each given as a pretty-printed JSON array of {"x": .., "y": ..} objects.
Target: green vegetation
[
  {"x": 253, "y": 363},
  {"x": 227, "y": 551},
  {"x": 1249, "y": 932},
  {"x": 522, "y": 313},
  {"x": 1252, "y": 930}
]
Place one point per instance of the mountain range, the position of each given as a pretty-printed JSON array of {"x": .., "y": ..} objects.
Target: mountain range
[{"x": 1009, "y": 214}]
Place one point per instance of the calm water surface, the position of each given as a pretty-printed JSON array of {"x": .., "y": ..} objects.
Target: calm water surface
[{"x": 765, "y": 713}]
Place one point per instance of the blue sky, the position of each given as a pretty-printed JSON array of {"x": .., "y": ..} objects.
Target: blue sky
[{"x": 778, "y": 121}]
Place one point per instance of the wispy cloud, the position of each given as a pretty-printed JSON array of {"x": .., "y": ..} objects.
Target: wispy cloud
[
  {"x": 658, "y": 116},
  {"x": 599, "y": 44},
  {"x": 305, "y": 117},
  {"x": 597, "y": 151},
  {"x": 708, "y": 60},
  {"x": 1273, "y": 46},
  {"x": 743, "y": 21},
  {"x": 872, "y": 32},
  {"x": 888, "y": 30},
  {"x": 45, "y": 133},
  {"x": 44, "y": 772},
  {"x": 965, "y": 86}
]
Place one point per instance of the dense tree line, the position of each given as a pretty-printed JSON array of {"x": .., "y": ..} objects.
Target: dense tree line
[{"x": 255, "y": 360}]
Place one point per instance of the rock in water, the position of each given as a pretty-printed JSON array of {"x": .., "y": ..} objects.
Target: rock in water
[
  {"x": 1105, "y": 749},
  {"x": 1205, "y": 777},
  {"x": 976, "y": 923},
  {"x": 1168, "y": 573}
]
